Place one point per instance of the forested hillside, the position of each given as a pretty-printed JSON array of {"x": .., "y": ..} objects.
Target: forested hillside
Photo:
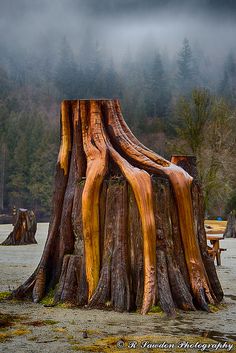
[{"x": 179, "y": 102}]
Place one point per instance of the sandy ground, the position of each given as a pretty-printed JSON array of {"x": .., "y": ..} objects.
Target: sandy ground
[{"x": 60, "y": 330}]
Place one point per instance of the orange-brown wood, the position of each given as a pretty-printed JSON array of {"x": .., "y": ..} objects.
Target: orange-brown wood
[
  {"x": 141, "y": 185},
  {"x": 96, "y": 153},
  {"x": 65, "y": 148},
  {"x": 91, "y": 247}
]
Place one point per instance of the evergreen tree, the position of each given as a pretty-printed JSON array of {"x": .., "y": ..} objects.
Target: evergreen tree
[
  {"x": 185, "y": 74},
  {"x": 157, "y": 94},
  {"x": 19, "y": 176},
  {"x": 66, "y": 73},
  {"x": 228, "y": 84},
  {"x": 133, "y": 79},
  {"x": 95, "y": 74},
  {"x": 193, "y": 115},
  {"x": 4, "y": 84},
  {"x": 4, "y": 113},
  {"x": 113, "y": 88},
  {"x": 42, "y": 172}
]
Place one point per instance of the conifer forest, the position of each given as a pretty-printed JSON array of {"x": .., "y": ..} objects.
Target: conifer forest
[{"x": 178, "y": 95}]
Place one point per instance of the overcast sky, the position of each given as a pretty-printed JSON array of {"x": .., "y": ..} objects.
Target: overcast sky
[{"x": 119, "y": 25}]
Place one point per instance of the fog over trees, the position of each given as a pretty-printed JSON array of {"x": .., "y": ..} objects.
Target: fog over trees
[{"x": 149, "y": 54}]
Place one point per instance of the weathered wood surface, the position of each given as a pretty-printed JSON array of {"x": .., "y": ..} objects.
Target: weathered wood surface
[
  {"x": 127, "y": 227},
  {"x": 230, "y": 231},
  {"x": 189, "y": 164},
  {"x": 24, "y": 229}
]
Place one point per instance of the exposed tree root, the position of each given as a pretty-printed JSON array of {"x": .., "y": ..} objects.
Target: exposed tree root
[
  {"x": 141, "y": 184},
  {"x": 181, "y": 183},
  {"x": 96, "y": 153},
  {"x": 127, "y": 225}
]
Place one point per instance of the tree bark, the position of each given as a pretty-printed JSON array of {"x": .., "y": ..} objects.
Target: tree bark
[
  {"x": 230, "y": 231},
  {"x": 127, "y": 228},
  {"x": 189, "y": 164},
  {"x": 24, "y": 229}
]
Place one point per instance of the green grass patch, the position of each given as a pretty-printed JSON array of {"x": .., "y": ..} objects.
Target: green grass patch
[
  {"x": 39, "y": 323},
  {"x": 49, "y": 298},
  {"x": 156, "y": 309},
  {"x": 4, "y": 295},
  {"x": 66, "y": 305},
  {"x": 59, "y": 329},
  {"x": 75, "y": 348},
  {"x": 50, "y": 322},
  {"x": 21, "y": 331},
  {"x": 213, "y": 308}
]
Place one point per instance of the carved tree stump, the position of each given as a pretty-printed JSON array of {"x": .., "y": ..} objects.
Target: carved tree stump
[
  {"x": 24, "y": 229},
  {"x": 230, "y": 231},
  {"x": 127, "y": 227}
]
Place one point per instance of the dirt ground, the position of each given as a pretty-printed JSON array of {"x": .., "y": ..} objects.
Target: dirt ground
[{"x": 33, "y": 328}]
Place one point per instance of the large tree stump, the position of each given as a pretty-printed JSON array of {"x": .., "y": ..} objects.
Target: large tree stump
[
  {"x": 230, "y": 231},
  {"x": 24, "y": 230},
  {"x": 127, "y": 228}
]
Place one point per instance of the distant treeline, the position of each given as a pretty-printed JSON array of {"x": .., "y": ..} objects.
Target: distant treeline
[{"x": 149, "y": 85}]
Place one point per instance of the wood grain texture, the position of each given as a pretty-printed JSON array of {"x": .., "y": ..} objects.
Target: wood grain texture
[{"x": 127, "y": 230}]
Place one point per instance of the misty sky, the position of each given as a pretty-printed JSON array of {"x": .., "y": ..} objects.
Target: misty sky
[{"x": 119, "y": 25}]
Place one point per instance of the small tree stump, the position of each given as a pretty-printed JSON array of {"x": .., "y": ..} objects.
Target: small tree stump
[
  {"x": 24, "y": 229},
  {"x": 230, "y": 231},
  {"x": 127, "y": 226}
]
